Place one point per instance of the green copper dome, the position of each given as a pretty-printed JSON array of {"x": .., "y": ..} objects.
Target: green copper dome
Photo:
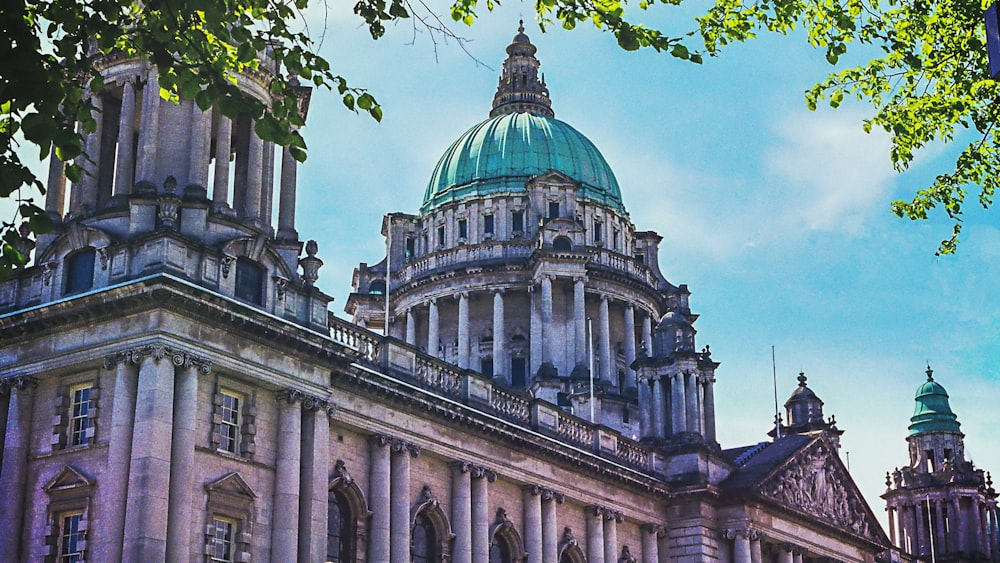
[
  {"x": 502, "y": 153},
  {"x": 521, "y": 139},
  {"x": 933, "y": 413}
]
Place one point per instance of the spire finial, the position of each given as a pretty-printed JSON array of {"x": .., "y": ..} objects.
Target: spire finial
[
  {"x": 520, "y": 90},
  {"x": 520, "y": 26},
  {"x": 802, "y": 379},
  {"x": 930, "y": 373}
]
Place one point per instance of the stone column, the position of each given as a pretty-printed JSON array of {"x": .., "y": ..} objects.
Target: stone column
[
  {"x": 287, "y": 479},
  {"x": 267, "y": 184},
  {"x": 499, "y": 337},
  {"x": 921, "y": 543},
  {"x": 785, "y": 554},
  {"x": 691, "y": 402},
  {"x": 755, "y": 553},
  {"x": 962, "y": 531},
  {"x": 629, "y": 344},
  {"x": 977, "y": 527},
  {"x": 611, "y": 536},
  {"x": 314, "y": 480},
  {"x": 891, "y": 516},
  {"x": 595, "y": 534},
  {"x": 119, "y": 453},
  {"x": 481, "y": 478},
  {"x": 663, "y": 546},
  {"x": 659, "y": 424},
  {"x": 548, "y": 340},
  {"x": 433, "y": 326},
  {"x": 939, "y": 532},
  {"x": 223, "y": 146},
  {"x": 535, "y": 333},
  {"x": 399, "y": 520},
  {"x": 796, "y": 557},
  {"x": 182, "y": 463},
  {"x": 994, "y": 531},
  {"x": 14, "y": 467},
  {"x": 463, "y": 330},
  {"x": 411, "y": 328},
  {"x": 255, "y": 164},
  {"x": 709, "y": 408},
  {"x": 741, "y": 547},
  {"x": 646, "y": 428},
  {"x": 533, "y": 523},
  {"x": 379, "y": 495},
  {"x": 461, "y": 511},
  {"x": 92, "y": 166},
  {"x": 149, "y": 130},
  {"x": 550, "y": 527},
  {"x": 678, "y": 403},
  {"x": 650, "y": 549},
  {"x": 286, "y": 198},
  {"x": 579, "y": 322},
  {"x": 200, "y": 145},
  {"x": 125, "y": 159},
  {"x": 55, "y": 195},
  {"x": 604, "y": 331},
  {"x": 149, "y": 468},
  {"x": 647, "y": 334}
]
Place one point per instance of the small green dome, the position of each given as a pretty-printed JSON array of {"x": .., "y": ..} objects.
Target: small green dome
[
  {"x": 502, "y": 153},
  {"x": 932, "y": 413}
]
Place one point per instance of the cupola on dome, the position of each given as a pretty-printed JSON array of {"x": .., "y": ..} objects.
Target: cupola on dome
[
  {"x": 932, "y": 412},
  {"x": 521, "y": 139}
]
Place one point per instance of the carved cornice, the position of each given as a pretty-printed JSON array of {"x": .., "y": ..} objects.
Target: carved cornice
[{"x": 158, "y": 352}]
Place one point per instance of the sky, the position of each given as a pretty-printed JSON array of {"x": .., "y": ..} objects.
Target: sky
[{"x": 776, "y": 217}]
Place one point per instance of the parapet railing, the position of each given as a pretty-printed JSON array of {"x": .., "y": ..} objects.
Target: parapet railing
[
  {"x": 396, "y": 358},
  {"x": 463, "y": 254}
]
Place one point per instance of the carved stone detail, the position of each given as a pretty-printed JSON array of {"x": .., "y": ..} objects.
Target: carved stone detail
[
  {"x": 813, "y": 485},
  {"x": 158, "y": 352},
  {"x": 309, "y": 402},
  {"x": 19, "y": 382}
]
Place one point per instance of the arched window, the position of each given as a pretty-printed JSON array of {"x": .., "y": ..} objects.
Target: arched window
[
  {"x": 423, "y": 545},
  {"x": 500, "y": 552},
  {"x": 377, "y": 287},
  {"x": 340, "y": 531},
  {"x": 80, "y": 270},
  {"x": 249, "y": 281},
  {"x": 562, "y": 244}
]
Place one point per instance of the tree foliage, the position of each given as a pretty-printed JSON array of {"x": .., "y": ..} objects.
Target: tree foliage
[{"x": 928, "y": 80}]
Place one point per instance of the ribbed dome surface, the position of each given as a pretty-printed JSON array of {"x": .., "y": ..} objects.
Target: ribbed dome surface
[
  {"x": 932, "y": 412},
  {"x": 502, "y": 153}
]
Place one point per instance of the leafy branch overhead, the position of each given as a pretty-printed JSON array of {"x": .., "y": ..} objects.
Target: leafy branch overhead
[{"x": 929, "y": 80}]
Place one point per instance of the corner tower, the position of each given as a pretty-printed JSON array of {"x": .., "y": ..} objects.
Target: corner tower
[
  {"x": 940, "y": 505},
  {"x": 522, "y": 264},
  {"x": 172, "y": 189}
]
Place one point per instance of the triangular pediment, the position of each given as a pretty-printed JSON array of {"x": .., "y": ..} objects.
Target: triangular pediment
[
  {"x": 815, "y": 482},
  {"x": 67, "y": 478},
  {"x": 231, "y": 484},
  {"x": 554, "y": 178}
]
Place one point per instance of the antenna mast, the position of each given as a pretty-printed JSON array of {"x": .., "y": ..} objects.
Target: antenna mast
[{"x": 774, "y": 378}]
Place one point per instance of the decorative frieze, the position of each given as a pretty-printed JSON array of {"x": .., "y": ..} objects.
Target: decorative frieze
[{"x": 158, "y": 352}]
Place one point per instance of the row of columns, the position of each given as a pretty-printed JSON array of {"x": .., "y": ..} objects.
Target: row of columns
[
  {"x": 953, "y": 528},
  {"x": 747, "y": 546},
  {"x": 691, "y": 397},
  {"x": 542, "y": 341},
  {"x": 252, "y": 201}
]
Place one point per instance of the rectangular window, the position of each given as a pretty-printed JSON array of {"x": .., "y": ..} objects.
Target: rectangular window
[
  {"x": 488, "y": 224},
  {"x": 79, "y": 414},
  {"x": 463, "y": 228},
  {"x": 71, "y": 537},
  {"x": 441, "y": 235},
  {"x": 614, "y": 238},
  {"x": 553, "y": 209},
  {"x": 640, "y": 258},
  {"x": 517, "y": 221},
  {"x": 486, "y": 367},
  {"x": 598, "y": 231},
  {"x": 223, "y": 542},
  {"x": 229, "y": 423},
  {"x": 411, "y": 247}
]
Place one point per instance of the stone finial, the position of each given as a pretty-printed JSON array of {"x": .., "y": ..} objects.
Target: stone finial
[{"x": 310, "y": 264}]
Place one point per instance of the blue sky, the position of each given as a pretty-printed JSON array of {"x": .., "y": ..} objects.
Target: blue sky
[{"x": 776, "y": 217}]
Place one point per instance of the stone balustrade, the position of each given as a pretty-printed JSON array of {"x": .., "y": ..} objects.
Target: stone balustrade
[{"x": 400, "y": 360}]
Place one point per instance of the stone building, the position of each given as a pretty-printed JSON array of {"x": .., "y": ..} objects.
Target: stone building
[
  {"x": 941, "y": 507},
  {"x": 174, "y": 388}
]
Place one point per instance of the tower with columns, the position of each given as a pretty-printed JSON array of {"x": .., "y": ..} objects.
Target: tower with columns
[
  {"x": 174, "y": 388},
  {"x": 941, "y": 507}
]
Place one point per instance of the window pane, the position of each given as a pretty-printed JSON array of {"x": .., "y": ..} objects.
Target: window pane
[
  {"x": 517, "y": 221},
  {"x": 488, "y": 224},
  {"x": 229, "y": 425},
  {"x": 249, "y": 281},
  {"x": 79, "y": 411},
  {"x": 71, "y": 537},
  {"x": 80, "y": 271},
  {"x": 222, "y": 542}
]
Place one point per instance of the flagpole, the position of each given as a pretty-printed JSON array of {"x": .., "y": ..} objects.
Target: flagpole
[{"x": 590, "y": 354}]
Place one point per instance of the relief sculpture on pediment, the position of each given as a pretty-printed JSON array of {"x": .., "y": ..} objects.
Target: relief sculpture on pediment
[{"x": 812, "y": 484}]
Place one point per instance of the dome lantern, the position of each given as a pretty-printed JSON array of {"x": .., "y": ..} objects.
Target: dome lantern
[{"x": 932, "y": 412}]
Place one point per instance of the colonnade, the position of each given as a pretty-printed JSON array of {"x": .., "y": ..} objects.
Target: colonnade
[
  {"x": 953, "y": 524},
  {"x": 677, "y": 402},
  {"x": 115, "y": 163},
  {"x": 544, "y": 344},
  {"x": 747, "y": 545}
]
